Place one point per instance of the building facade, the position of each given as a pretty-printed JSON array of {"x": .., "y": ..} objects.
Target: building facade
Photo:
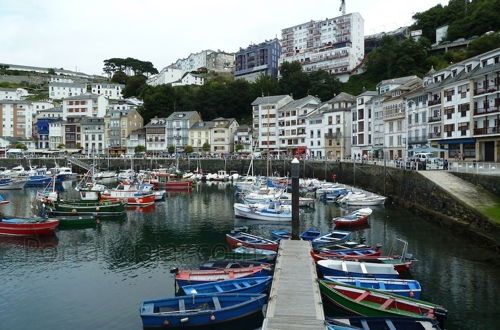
[
  {"x": 56, "y": 139},
  {"x": 16, "y": 118},
  {"x": 222, "y": 135},
  {"x": 156, "y": 134},
  {"x": 13, "y": 93},
  {"x": 85, "y": 105},
  {"x": 111, "y": 91},
  {"x": 362, "y": 126},
  {"x": 135, "y": 139},
  {"x": 335, "y": 45},
  {"x": 93, "y": 135},
  {"x": 199, "y": 135},
  {"x": 256, "y": 60},
  {"x": 119, "y": 125},
  {"x": 177, "y": 128},
  {"x": 72, "y": 132},
  {"x": 244, "y": 137},
  {"x": 190, "y": 79},
  {"x": 60, "y": 90},
  {"x": 167, "y": 75}
]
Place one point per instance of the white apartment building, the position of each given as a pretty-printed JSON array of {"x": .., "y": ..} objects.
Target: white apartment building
[
  {"x": 16, "y": 118},
  {"x": 292, "y": 124},
  {"x": 315, "y": 134},
  {"x": 56, "y": 112},
  {"x": 190, "y": 79},
  {"x": 93, "y": 135},
  {"x": 55, "y": 133},
  {"x": 13, "y": 93},
  {"x": 121, "y": 105},
  {"x": 335, "y": 45},
  {"x": 222, "y": 135},
  {"x": 416, "y": 120},
  {"x": 167, "y": 75},
  {"x": 177, "y": 128},
  {"x": 136, "y": 138},
  {"x": 199, "y": 134},
  {"x": 58, "y": 90},
  {"x": 216, "y": 61},
  {"x": 362, "y": 125},
  {"x": 111, "y": 91},
  {"x": 265, "y": 121},
  {"x": 156, "y": 134},
  {"x": 243, "y": 136},
  {"x": 376, "y": 105},
  {"x": 61, "y": 79},
  {"x": 41, "y": 105},
  {"x": 85, "y": 105}
]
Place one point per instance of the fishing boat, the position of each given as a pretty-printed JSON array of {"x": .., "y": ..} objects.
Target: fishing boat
[
  {"x": 310, "y": 234},
  {"x": 38, "y": 180},
  {"x": 186, "y": 277},
  {"x": 271, "y": 255},
  {"x": 244, "y": 239},
  {"x": 335, "y": 237},
  {"x": 199, "y": 310},
  {"x": 228, "y": 263},
  {"x": 14, "y": 226},
  {"x": 259, "y": 257},
  {"x": 370, "y": 302},
  {"x": 407, "y": 288},
  {"x": 12, "y": 184},
  {"x": 272, "y": 211},
  {"x": 130, "y": 194},
  {"x": 376, "y": 323},
  {"x": 356, "y": 218},
  {"x": 242, "y": 285},
  {"x": 355, "y": 269},
  {"x": 81, "y": 207}
]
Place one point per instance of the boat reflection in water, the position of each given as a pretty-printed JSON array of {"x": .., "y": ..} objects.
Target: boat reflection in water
[
  {"x": 29, "y": 242},
  {"x": 142, "y": 209}
]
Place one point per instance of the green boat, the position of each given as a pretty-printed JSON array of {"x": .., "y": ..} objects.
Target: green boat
[
  {"x": 87, "y": 207},
  {"x": 371, "y": 302},
  {"x": 240, "y": 256},
  {"x": 77, "y": 221}
]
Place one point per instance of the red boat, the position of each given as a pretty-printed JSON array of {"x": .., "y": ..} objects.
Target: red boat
[
  {"x": 185, "y": 277},
  {"x": 178, "y": 184},
  {"x": 27, "y": 227},
  {"x": 354, "y": 219},
  {"x": 243, "y": 239},
  {"x": 130, "y": 194}
]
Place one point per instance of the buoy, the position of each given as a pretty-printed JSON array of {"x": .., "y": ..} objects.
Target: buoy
[
  {"x": 212, "y": 318},
  {"x": 166, "y": 322},
  {"x": 73, "y": 211},
  {"x": 412, "y": 294},
  {"x": 98, "y": 208}
]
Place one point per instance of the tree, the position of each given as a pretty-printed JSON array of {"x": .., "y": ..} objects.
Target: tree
[
  {"x": 238, "y": 147},
  {"x": 119, "y": 77},
  {"x": 205, "y": 147},
  {"x": 133, "y": 85},
  {"x": 18, "y": 145},
  {"x": 61, "y": 146},
  {"x": 51, "y": 71},
  {"x": 171, "y": 149},
  {"x": 188, "y": 149},
  {"x": 293, "y": 80},
  {"x": 138, "y": 149}
]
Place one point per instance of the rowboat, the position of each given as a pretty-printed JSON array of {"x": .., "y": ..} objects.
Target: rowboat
[
  {"x": 242, "y": 285},
  {"x": 252, "y": 241},
  {"x": 375, "y": 323},
  {"x": 407, "y": 288},
  {"x": 310, "y": 234},
  {"x": 186, "y": 277},
  {"x": 335, "y": 237},
  {"x": 87, "y": 207},
  {"x": 355, "y": 269},
  {"x": 281, "y": 234},
  {"x": 370, "y": 302},
  {"x": 270, "y": 254},
  {"x": 225, "y": 263},
  {"x": 400, "y": 264},
  {"x": 72, "y": 221},
  {"x": 13, "y": 226},
  {"x": 242, "y": 256},
  {"x": 339, "y": 254},
  {"x": 356, "y": 218},
  {"x": 199, "y": 310}
]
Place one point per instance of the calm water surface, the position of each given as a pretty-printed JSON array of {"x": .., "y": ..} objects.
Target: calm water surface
[{"x": 96, "y": 278}]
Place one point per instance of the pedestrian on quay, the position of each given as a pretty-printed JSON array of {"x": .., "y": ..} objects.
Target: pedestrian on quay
[{"x": 445, "y": 164}]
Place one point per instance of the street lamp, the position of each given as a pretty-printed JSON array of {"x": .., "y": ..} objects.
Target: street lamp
[{"x": 295, "y": 198}]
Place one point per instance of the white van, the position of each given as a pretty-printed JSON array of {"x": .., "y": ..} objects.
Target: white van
[{"x": 431, "y": 161}]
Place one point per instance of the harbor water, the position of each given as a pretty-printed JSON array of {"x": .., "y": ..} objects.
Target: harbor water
[{"x": 96, "y": 278}]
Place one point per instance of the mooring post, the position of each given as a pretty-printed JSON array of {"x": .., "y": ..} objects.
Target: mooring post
[{"x": 295, "y": 198}]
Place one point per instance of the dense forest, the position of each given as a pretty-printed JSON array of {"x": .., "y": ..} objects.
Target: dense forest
[{"x": 224, "y": 96}]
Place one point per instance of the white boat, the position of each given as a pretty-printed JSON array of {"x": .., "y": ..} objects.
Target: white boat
[
  {"x": 270, "y": 212},
  {"x": 126, "y": 175},
  {"x": 286, "y": 199},
  {"x": 130, "y": 194},
  {"x": 360, "y": 199},
  {"x": 105, "y": 175}
]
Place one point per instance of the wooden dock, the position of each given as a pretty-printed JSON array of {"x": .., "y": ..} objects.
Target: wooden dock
[{"x": 295, "y": 299}]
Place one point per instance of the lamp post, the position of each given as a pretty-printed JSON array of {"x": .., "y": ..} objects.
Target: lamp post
[{"x": 295, "y": 198}]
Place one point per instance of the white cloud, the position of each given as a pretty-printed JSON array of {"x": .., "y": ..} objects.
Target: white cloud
[{"x": 81, "y": 34}]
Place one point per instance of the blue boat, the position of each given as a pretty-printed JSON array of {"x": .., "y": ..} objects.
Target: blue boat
[
  {"x": 335, "y": 237},
  {"x": 271, "y": 255},
  {"x": 376, "y": 323},
  {"x": 40, "y": 180},
  {"x": 281, "y": 234},
  {"x": 335, "y": 267},
  {"x": 242, "y": 285},
  {"x": 310, "y": 234},
  {"x": 199, "y": 310},
  {"x": 407, "y": 288},
  {"x": 230, "y": 263}
]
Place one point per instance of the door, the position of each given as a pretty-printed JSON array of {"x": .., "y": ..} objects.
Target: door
[{"x": 489, "y": 151}]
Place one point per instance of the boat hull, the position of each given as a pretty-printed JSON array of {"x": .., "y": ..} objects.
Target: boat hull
[
  {"x": 188, "y": 277},
  {"x": 251, "y": 242},
  {"x": 141, "y": 200},
  {"x": 407, "y": 288},
  {"x": 243, "y": 211},
  {"x": 29, "y": 228},
  {"x": 244, "y": 285},
  {"x": 356, "y": 269}
]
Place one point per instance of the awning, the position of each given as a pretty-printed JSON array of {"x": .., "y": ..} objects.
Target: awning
[{"x": 457, "y": 141}]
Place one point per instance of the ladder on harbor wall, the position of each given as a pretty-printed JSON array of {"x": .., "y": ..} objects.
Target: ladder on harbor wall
[{"x": 79, "y": 163}]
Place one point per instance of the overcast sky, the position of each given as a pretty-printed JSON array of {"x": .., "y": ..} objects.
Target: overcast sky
[{"x": 81, "y": 34}]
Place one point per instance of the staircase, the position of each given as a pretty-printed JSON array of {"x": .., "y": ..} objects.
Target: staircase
[{"x": 79, "y": 163}]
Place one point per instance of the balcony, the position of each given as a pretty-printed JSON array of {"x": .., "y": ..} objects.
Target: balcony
[
  {"x": 480, "y": 91},
  {"x": 434, "y": 102},
  {"x": 434, "y": 135},
  {"x": 417, "y": 139},
  {"x": 484, "y": 111},
  {"x": 394, "y": 114},
  {"x": 434, "y": 119},
  {"x": 487, "y": 130},
  {"x": 335, "y": 135}
]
